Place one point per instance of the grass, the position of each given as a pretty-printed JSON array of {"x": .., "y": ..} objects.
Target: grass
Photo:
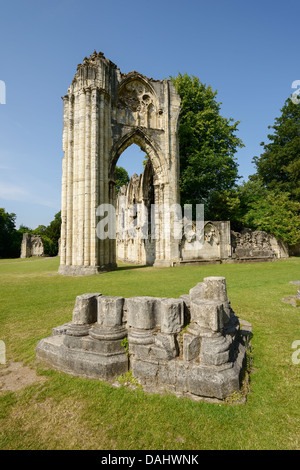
[{"x": 65, "y": 412}]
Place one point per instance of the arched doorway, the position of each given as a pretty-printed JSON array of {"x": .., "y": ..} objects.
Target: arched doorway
[
  {"x": 135, "y": 217},
  {"x": 106, "y": 111}
]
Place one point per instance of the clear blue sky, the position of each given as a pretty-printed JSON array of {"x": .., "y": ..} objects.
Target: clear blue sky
[{"x": 246, "y": 50}]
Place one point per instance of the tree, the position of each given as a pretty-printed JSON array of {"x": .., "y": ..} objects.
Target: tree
[
  {"x": 254, "y": 206},
  {"x": 24, "y": 229},
  {"x": 122, "y": 177},
  {"x": 10, "y": 240},
  {"x": 207, "y": 144},
  {"x": 40, "y": 230},
  {"x": 278, "y": 167},
  {"x": 270, "y": 210},
  {"x": 52, "y": 234}
]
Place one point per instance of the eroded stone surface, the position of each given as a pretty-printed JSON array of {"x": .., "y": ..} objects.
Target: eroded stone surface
[{"x": 150, "y": 337}]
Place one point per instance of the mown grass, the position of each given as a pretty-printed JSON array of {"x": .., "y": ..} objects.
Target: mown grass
[{"x": 66, "y": 412}]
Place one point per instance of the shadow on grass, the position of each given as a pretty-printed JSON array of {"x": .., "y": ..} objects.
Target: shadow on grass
[{"x": 133, "y": 266}]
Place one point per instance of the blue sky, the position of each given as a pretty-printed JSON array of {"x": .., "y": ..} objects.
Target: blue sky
[{"x": 247, "y": 51}]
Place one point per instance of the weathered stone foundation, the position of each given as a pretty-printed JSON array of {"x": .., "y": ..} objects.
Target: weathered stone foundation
[{"x": 193, "y": 346}]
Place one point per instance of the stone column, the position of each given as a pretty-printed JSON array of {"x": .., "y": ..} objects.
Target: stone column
[
  {"x": 94, "y": 246},
  {"x": 84, "y": 314},
  {"x": 69, "y": 205},
  {"x": 64, "y": 181},
  {"x": 87, "y": 214},
  {"x": 141, "y": 319},
  {"x": 81, "y": 179},
  {"x": 109, "y": 326},
  {"x": 75, "y": 181}
]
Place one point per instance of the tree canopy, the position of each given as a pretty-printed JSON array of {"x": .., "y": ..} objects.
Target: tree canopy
[
  {"x": 278, "y": 167},
  {"x": 122, "y": 177},
  {"x": 9, "y": 240},
  {"x": 207, "y": 144},
  {"x": 270, "y": 200}
]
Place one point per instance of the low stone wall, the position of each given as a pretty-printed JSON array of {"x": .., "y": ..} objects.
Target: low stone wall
[
  {"x": 193, "y": 346},
  {"x": 255, "y": 244}
]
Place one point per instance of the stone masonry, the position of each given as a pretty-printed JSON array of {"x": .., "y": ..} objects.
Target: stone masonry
[
  {"x": 193, "y": 346},
  {"x": 32, "y": 245},
  {"x": 104, "y": 112}
]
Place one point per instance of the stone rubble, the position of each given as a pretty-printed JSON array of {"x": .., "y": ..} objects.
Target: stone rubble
[{"x": 194, "y": 346}]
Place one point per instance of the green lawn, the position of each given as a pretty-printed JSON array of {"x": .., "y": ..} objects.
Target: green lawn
[{"x": 65, "y": 412}]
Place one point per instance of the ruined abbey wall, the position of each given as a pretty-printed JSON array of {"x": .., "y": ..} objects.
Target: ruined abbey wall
[{"x": 105, "y": 111}]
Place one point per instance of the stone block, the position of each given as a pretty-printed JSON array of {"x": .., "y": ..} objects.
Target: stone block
[
  {"x": 214, "y": 351},
  {"x": 85, "y": 310},
  {"x": 140, "y": 351},
  {"x": 187, "y": 305},
  {"x": 141, "y": 312},
  {"x": 172, "y": 315},
  {"x": 209, "y": 314},
  {"x": 90, "y": 364},
  {"x": 197, "y": 292},
  {"x": 166, "y": 374},
  {"x": 110, "y": 310},
  {"x": 168, "y": 343},
  {"x": 182, "y": 376},
  {"x": 157, "y": 309},
  {"x": 213, "y": 383},
  {"x": 143, "y": 370},
  {"x": 191, "y": 347},
  {"x": 215, "y": 288}
]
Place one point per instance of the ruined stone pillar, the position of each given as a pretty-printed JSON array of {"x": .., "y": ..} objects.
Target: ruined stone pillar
[
  {"x": 68, "y": 210},
  {"x": 87, "y": 180}
]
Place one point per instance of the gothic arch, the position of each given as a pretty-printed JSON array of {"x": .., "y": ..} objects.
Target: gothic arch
[
  {"x": 105, "y": 111},
  {"x": 139, "y": 137}
]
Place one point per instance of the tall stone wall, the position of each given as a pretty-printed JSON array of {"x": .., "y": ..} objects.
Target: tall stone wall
[{"x": 193, "y": 346}]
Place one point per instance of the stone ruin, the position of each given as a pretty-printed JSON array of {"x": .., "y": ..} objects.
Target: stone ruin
[
  {"x": 257, "y": 244},
  {"x": 219, "y": 244},
  {"x": 194, "y": 346},
  {"x": 293, "y": 299},
  {"x": 32, "y": 245},
  {"x": 104, "y": 112}
]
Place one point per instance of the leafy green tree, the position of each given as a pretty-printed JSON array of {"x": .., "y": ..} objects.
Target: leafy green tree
[
  {"x": 122, "y": 177},
  {"x": 207, "y": 144},
  {"x": 254, "y": 206},
  {"x": 24, "y": 229},
  {"x": 275, "y": 213},
  {"x": 52, "y": 233},
  {"x": 278, "y": 167},
  {"x": 40, "y": 230},
  {"x": 50, "y": 247},
  {"x": 10, "y": 240}
]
